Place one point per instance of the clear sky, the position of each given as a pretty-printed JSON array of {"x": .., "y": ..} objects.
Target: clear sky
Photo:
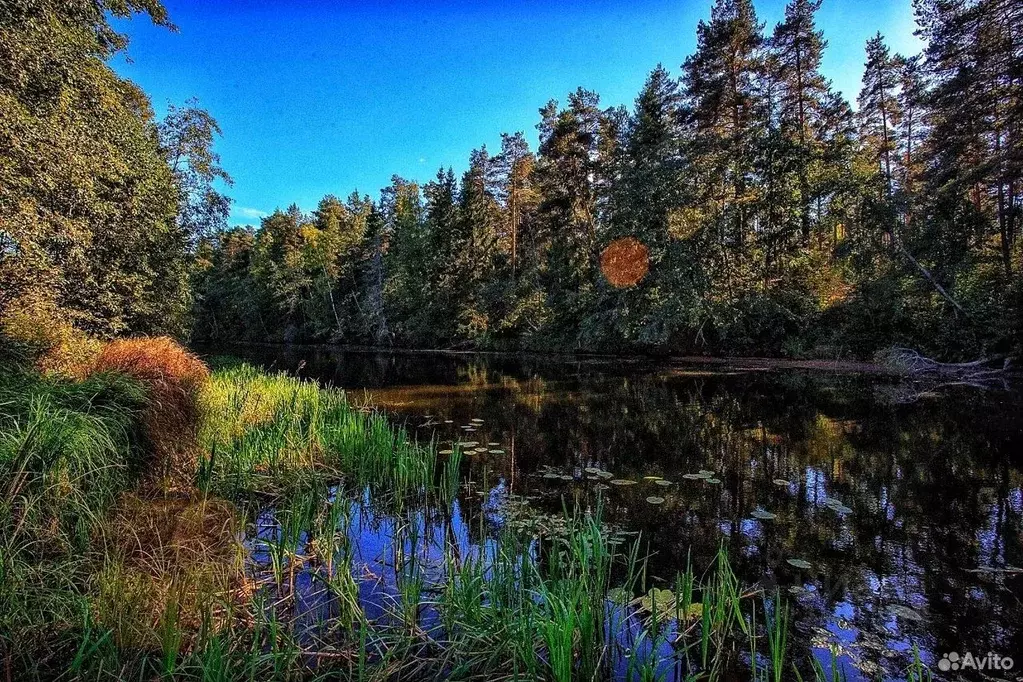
[{"x": 330, "y": 97}]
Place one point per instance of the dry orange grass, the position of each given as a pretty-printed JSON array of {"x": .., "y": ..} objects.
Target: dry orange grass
[
  {"x": 175, "y": 554},
  {"x": 174, "y": 378}
]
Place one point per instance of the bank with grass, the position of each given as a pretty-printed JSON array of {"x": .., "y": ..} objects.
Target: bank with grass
[{"x": 163, "y": 520}]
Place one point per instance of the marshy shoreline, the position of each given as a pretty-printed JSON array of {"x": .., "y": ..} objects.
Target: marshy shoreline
[{"x": 163, "y": 520}]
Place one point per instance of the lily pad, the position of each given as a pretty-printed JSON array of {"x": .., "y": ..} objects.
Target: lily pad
[
  {"x": 780, "y": 481},
  {"x": 706, "y": 472},
  {"x": 836, "y": 505},
  {"x": 763, "y": 515},
  {"x": 605, "y": 474},
  {"x": 906, "y": 613},
  {"x": 665, "y": 603},
  {"x": 622, "y": 481},
  {"x": 493, "y": 445},
  {"x": 714, "y": 480},
  {"x": 551, "y": 475},
  {"x": 693, "y": 612},
  {"x": 653, "y": 499},
  {"x": 798, "y": 563},
  {"x": 592, "y": 470},
  {"x": 566, "y": 477},
  {"x": 476, "y": 420},
  {"x": 468, "y": 443},
  {"x": 662, "y": 600},
  {"x": 449, "y": 421},
  {"x": 445, "y": 452},
  {"x": 693, "y": 477},
  {"x": 496, "y": 452},
  {"x": 651, "y": 478},
  {"x": 663, "y": 482}
]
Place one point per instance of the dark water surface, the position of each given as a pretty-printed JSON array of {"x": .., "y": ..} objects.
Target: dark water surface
[{"x": 907, "y": 503}]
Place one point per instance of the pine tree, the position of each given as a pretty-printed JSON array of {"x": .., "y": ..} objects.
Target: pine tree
[
  {"x": 649, "y": 182},
  {"x": 479, "y": 219},
  {"x": 974, "y": 57},
  {"x": 515, "y": 191},
  {"x": 443, "y": 279},
  {"x": 405, "y": 259},
  {"x": 798, "y": 48},
  {"x": 722, "y": 90},
  {"x": 571, "y": 178},
  {"x": 912, "y": 131},
  {"x": 278, "y": 267},
  {"x": 879, "y": 111},
  {"x": 644, "y": 196},
  {"x": 374, "y": 276}
]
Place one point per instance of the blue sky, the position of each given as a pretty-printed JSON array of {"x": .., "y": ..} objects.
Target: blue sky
[{"x": 331, "y": 97}]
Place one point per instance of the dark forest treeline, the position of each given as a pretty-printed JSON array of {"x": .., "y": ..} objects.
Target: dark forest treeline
[{"x": 777, "y": 219}]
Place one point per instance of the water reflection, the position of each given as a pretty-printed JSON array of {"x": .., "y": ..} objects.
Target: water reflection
[{"x": 907, "y": 514}]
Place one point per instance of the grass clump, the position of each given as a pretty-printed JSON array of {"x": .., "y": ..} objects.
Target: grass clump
[
  {"x": 68, "y": 449},
  {"x": 173, "y": 378},
  {"x": 269, "y": 433}
]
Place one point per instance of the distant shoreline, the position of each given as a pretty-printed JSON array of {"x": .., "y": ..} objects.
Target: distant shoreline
[{"x": 741, "y": 363}]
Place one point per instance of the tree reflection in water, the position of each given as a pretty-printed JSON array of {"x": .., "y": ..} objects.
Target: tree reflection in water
[{"x": 908, "y": 514}]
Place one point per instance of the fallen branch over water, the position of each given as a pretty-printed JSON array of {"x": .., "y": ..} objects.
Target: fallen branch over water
[{"x": 909, "y": 361}]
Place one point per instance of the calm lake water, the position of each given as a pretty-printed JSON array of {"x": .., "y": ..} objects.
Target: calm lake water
[{"x": 906, "y": 503}]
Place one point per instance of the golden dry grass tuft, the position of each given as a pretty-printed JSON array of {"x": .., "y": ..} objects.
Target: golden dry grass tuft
[
  {"x": 171, "y": 557},
  {"x": 174, "y": 379}
]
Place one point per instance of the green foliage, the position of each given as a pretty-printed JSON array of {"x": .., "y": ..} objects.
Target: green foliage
[
  {"x": 87, "y": 199},
  {"x": 775, "y": 220},
  {"x": 186, "y": 136},
  {"x": 67, "y": 450},
  {"x": 100, "y": 204}
]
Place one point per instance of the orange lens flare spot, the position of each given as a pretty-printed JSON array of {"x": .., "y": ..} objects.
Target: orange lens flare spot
[{"x": 625, "y": 262}]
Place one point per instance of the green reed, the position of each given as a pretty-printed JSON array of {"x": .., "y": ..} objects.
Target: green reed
[
  {"x": 553, "y": 598},
  {"x": 777, "y": 624}
]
